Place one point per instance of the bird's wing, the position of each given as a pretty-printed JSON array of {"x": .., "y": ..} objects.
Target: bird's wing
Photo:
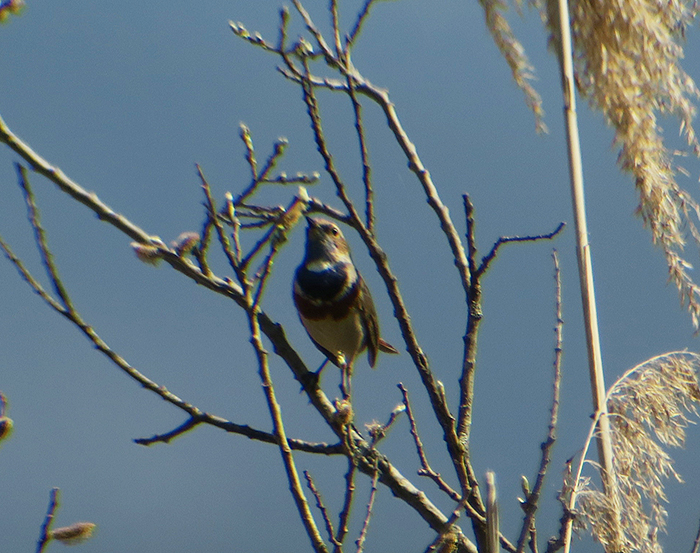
[{"x": 368, "y": 315}]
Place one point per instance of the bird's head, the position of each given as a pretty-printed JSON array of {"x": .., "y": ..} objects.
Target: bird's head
[{"x": 325, "y": 244}]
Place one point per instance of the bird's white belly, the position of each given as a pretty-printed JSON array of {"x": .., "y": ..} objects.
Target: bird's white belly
[{"x": 343, "y": 336}]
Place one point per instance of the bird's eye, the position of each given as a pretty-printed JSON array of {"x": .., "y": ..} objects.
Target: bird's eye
[{"x": 335, "y": 231}]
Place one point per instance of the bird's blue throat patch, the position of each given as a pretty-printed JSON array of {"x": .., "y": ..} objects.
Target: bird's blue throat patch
[{"x": 324, "y": 285}]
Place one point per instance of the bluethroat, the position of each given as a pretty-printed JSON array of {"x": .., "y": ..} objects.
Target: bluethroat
[{"x": 334, "y": 303}]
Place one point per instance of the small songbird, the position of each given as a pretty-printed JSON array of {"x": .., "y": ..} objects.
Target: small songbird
[{"x": 333, "y": 301}]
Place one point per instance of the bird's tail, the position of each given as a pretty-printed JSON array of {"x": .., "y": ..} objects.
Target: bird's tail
[{"x": 386, "y": 347}]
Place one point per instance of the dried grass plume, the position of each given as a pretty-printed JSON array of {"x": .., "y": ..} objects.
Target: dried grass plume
[{"x": 650, "y": 408}]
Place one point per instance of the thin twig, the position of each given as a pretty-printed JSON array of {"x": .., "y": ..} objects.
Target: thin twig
[
  {"x": 262, "y": 176},
  {"x": 315, "y": 117},
  {"x": 235, "y": 223},
  {"x": 425, "y": 470},
  {"x": 45, "y": 534},
  {"x": 321, "y": 448},
  {"x": 40, "y": 238},
  {"x": 313, "y": 29},
  {"x": 555, "y": 543},
  {"x": 284, "y": 21},
  {"x": 264, "y": 272},
  {"x": 249, "y": 153},
  {"x": 321, "y": 507},
  {"x": 347, "y": 503},
  {"x": 223, "y": 239},
  {"x": 255, "y": 250},
  {"x": 200, "y": 252},
  {"x": 365, "y": 524},
  {"x": 361, "y": 18},
  {"x": 364, "y": 154},
  {"x": 532, "y": 498},
  {"x": 486, "y": 261},
  {"x": 696, "y": 543},
  {"x": 379, "y": 431},
  {"x": 317, "y": 206},
  {"x": 533, "y": 540},
  {"x": 335, "y": 23}
]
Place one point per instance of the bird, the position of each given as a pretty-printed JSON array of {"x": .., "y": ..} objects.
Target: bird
[{"x": 334, "y": 303}]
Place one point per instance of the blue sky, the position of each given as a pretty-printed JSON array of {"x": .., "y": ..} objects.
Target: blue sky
[{"x": 125, "y": 98}]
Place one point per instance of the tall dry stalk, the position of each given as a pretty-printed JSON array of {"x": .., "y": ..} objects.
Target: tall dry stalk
[{"x": 585, "y": 268}]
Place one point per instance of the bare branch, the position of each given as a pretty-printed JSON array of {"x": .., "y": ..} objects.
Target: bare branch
[
  {"x": 40, "y": 238},
  {"x": 530, "y": 503},
  {"x": 235, "y": 223},
  {"x": 486, "y": 261},
  {"x": 696, "y": 543},
  {"x": 347, "y": 503},
  {"x": 223, "y": 239},
  {"x": 255, "y": 39},
  {"x": 425, "y": 469},
  {"x": 45, "y": 535},
  {"x": 242, "y": 430},
  {"x": 381, "y": 97},
  {"x": 325, "y": 49},
  {"x": 361, "y": 18},
  {"x": 474, "y": 315},
  {"x": 315, "y": 117},
  {"x": 90, "y": 200},
  {"x": 364, "y": 154},
  {"x": 321, "y": 507},
  {"x": 365, "y": 524},
  {"x": 200, "y": 252},
  {"x": 336, "y": 29},
  {"x": 249, "y": 156},
  {"x": 263, "y": 175}
]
